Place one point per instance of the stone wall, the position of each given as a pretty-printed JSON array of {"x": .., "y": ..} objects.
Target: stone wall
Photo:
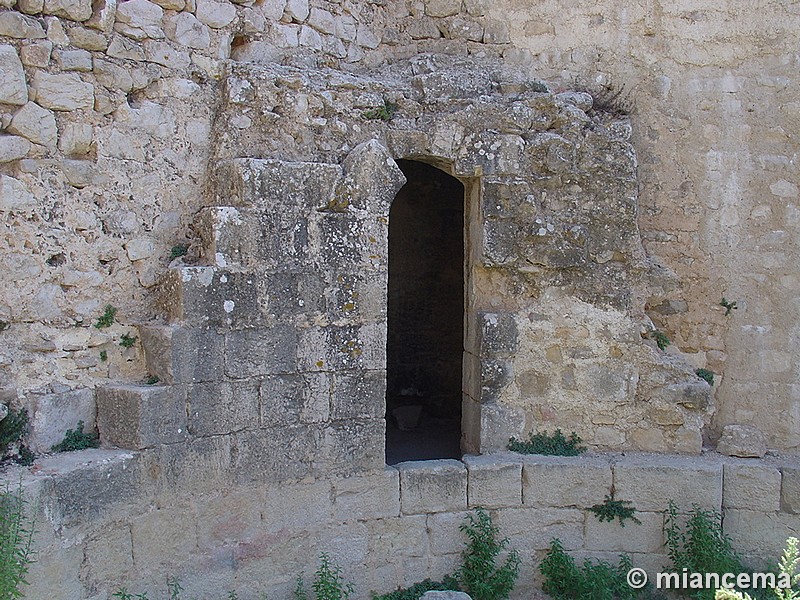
[{"x": 112, "y": 518}]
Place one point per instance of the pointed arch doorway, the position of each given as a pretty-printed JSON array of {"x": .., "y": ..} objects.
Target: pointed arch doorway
[{"x": 425, "y": 316}]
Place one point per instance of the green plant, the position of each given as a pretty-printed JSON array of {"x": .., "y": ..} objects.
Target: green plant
[
  {"x": 127, "y": 341},
  {"x": 299, "y": 589},
  {"x": 552, "y": 445},
  {"x": 76, "y": 439},
  {"x": 661, "y": 339},
  {"x": 178, "y": 250},
  {"x": 12, "y": 428},
  {"x": 538, "y": 86},
  {"x": 123, "y": 594},
  {"x": 25, "y": 456},
  {"x": 103, "y": 355},
  {"x": 3, "y": 326},
  {"x": 383, "y": 113},
  {"x": 789, "y": 566},
  {"x": 565, "y": 580},
  {"x": 152, "y": 380},
  {"x": 699, "y": 546},
  {"x": 479, "y": 573},
  {"x": 16, "y": 535},
  {"x": 329, "y": 584},
  {"x": 415, "y": 591},
  {"x": 705, "y": 374},
  {"x": 107, "y": 318},
  {"x": 728, "y": 306},
  {"x": 612, "y": 509}
]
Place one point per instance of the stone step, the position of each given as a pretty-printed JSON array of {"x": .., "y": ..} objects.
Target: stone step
[
  {"x": 177, "y": 355},
  {"x": 136, "y": 417}
]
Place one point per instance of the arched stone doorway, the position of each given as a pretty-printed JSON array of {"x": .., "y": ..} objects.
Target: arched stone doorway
[{"x": 425, "y": 336}]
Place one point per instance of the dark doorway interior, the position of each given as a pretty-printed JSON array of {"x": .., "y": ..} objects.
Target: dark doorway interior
[{"x": 425, "y": 316}]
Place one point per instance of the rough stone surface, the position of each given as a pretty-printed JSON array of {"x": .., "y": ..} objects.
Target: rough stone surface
[
  {"x": 14, "y": 195},
  {"x": 139, "y": 19},
  {"x": 35, "y": 123},
  {"x": 494, "y": 481},
  {"x": 52, "y": 415},
  {"x": 751, "y": 487},
  {"x": 215, "y": 14},
  {"x": 63, "y": 92},
  {"x": 432, "y": 486},
  {"x": 15, "y": 25},
  {"x": 13, "y": 147},
  {"x": 13, "y": 88},
  {"x": 742, "y": 440},
  {"x": 74, "y": 10},
  {"x": 565, "y": 481}
]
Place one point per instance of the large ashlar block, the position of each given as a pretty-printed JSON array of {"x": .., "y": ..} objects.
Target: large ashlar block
[
  {"x": 177, "y": 354},
  {"x": 445, "y": 534},
  {"x": 790, "y": 490},
  {"x": 370, "y": 496},
  {"x": 254, "y": 352},
  {"x": 751, "y": 487},
  {"x": 164, "y": 538},
  {"x": 432, "y": 486},
  {"x": 395, "y": 537},
  {"x": 651, "y": 481},
  {"x": 298, "y": 506},
  {"x": 762, "y": 534},
  {"x": 494, "y": 480},
  {"x": 137, "y": 417},
  {"x": 219, "y": 408},
  {"x": 532, "y": 529},
  {"x": 564, "y": 481},
  {"x": 646, "y": 537}
]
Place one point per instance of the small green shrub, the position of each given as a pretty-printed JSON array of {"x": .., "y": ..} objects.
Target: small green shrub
[
  {"x": 787, "y": 569},
  {"x": 728, "y": 306},
  {"x": 661, "y": 339},
  {"x": 12, "y": 428},
  {"x": 178, "y": 250},
  {"x": 611, "y": 509},
  {"x": 127, "y": 341},
  {"x": 415, "y": 591},
  {"x": 328, "y": 584},
  {"x": 16, "y": 535},
  {"x": 383, "y": 113},
  {"x": 551, "y": 445},
  {"x": 699, "y": 546},
  {"x": 3, "y": 326},
  {"x": 479, "y": 574},
  {"x": 706, "y": 375},
  {"x": 107, "y": 318},
  {"x": 76, "y": 439},
  {"x": 152, "y": 380},
  {"x": 103, "y": 355},
  {"x": 299, "y": 589}
]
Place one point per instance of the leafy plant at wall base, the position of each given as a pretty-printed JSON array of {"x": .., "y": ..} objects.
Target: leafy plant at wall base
[
  {"x": 706, "y": 375},
  {"x": 127, "y": 341},
  {"x": 299, "y": 589},
  {"x": 661, "y": 339},
  {"x": 612, "y": 509},
  {"x": 328, "y": 581},
  {"x": 415, "y": 591},
  {"x": 383, "y": 113},
  {"x": 76, "y": 439},
  {"x": 12, "y": 428},
  {"x": 16, "y": 535},
  {"x": 107, "y": 318},
  {"x": 728, "y": 306},
  {"x": 699, "y": 546},
  {"x": 551, "y": 445},
  {"x": 565, "y": 580},
  {"x": 479, "y": 574}
]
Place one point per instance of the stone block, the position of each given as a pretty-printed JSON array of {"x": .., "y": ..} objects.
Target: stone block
[
  {"x": 342, "y": 348},
  {"x": 298, "y": 506},
  {"x": 90, "y": 485},
  {"x": 74, "y": 10},
  {"x": 651, "y": 481},
  {"x": 62, "y": 91},
  {"x": 136, "y": 417},
  {"x": 295, "y": 398},
  {"x": 532, "y": 529},
  {"x": 445, "y": 534},
  {"x": 73, "y": 60},
  {"x": 165, "y": 54},
  {"x": 185, "y": 29},
  {"x": 742, "y": 440},
  {"x": 36, "y": 124},
  {"x": 566, "y": 481},
  {"x": 76, "y": 139},
  {"x": 790, "y": 490},
  {"x": 109, "y": 556},
  {"x": 139, "y": 19},
  {"x": 372, "y": 179},
  {"x": 646, "y": 537},
  {"x": 87, "y": 39},
  {"x": 177, "y": 354},
  {"x": 366, "y": 497},
  {"x": 219, "y": 408},
  {"x": 13, "y": 147},
  {"x": 112, "y": 77},
  {"x": 19, "y": 26},
  {"x": 266, "y": 351},
  {"x": 36, "y": 54},
  {"x": 498, "y": 335},
  {"x": 13, "y": 87},
  {"x": 52, "y": 414},
  {"x": 229, "y": 516},
  {"x": 390, "y": 538},
  {"x": 358, "y": 394},
  {"x": 352, "y": 446},
  {"x": 200, "y": 465},
  {"x": 494, "y": 480},
  {"x": 442, "y": 8},
  {"x": 215, "y": 14},
  {"x": 274, "y": 455},
  {"x": 164, "y": 538},
  {"x": 498, "y": 424},
  {"x": 14, "y": 195},
  {"x": 432, "y": 486},
  {"x": 762, "y": 534},
  {"x": 751, "y": 487},
  {"x": 348, "y": 243}
]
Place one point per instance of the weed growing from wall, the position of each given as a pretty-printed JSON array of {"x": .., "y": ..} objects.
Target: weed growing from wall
[
  {"x": 107, "y": 318},
  {"x": 16, "y": 535},
  {"x": 480, "y": 575},
  {"x": 611, "y": 509},
  {"x": 328, "y": 584},
  {"x": 549, "y": 444},
  {"x": 706, "y": 375},
  {"x": 76, "y": 439}
]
